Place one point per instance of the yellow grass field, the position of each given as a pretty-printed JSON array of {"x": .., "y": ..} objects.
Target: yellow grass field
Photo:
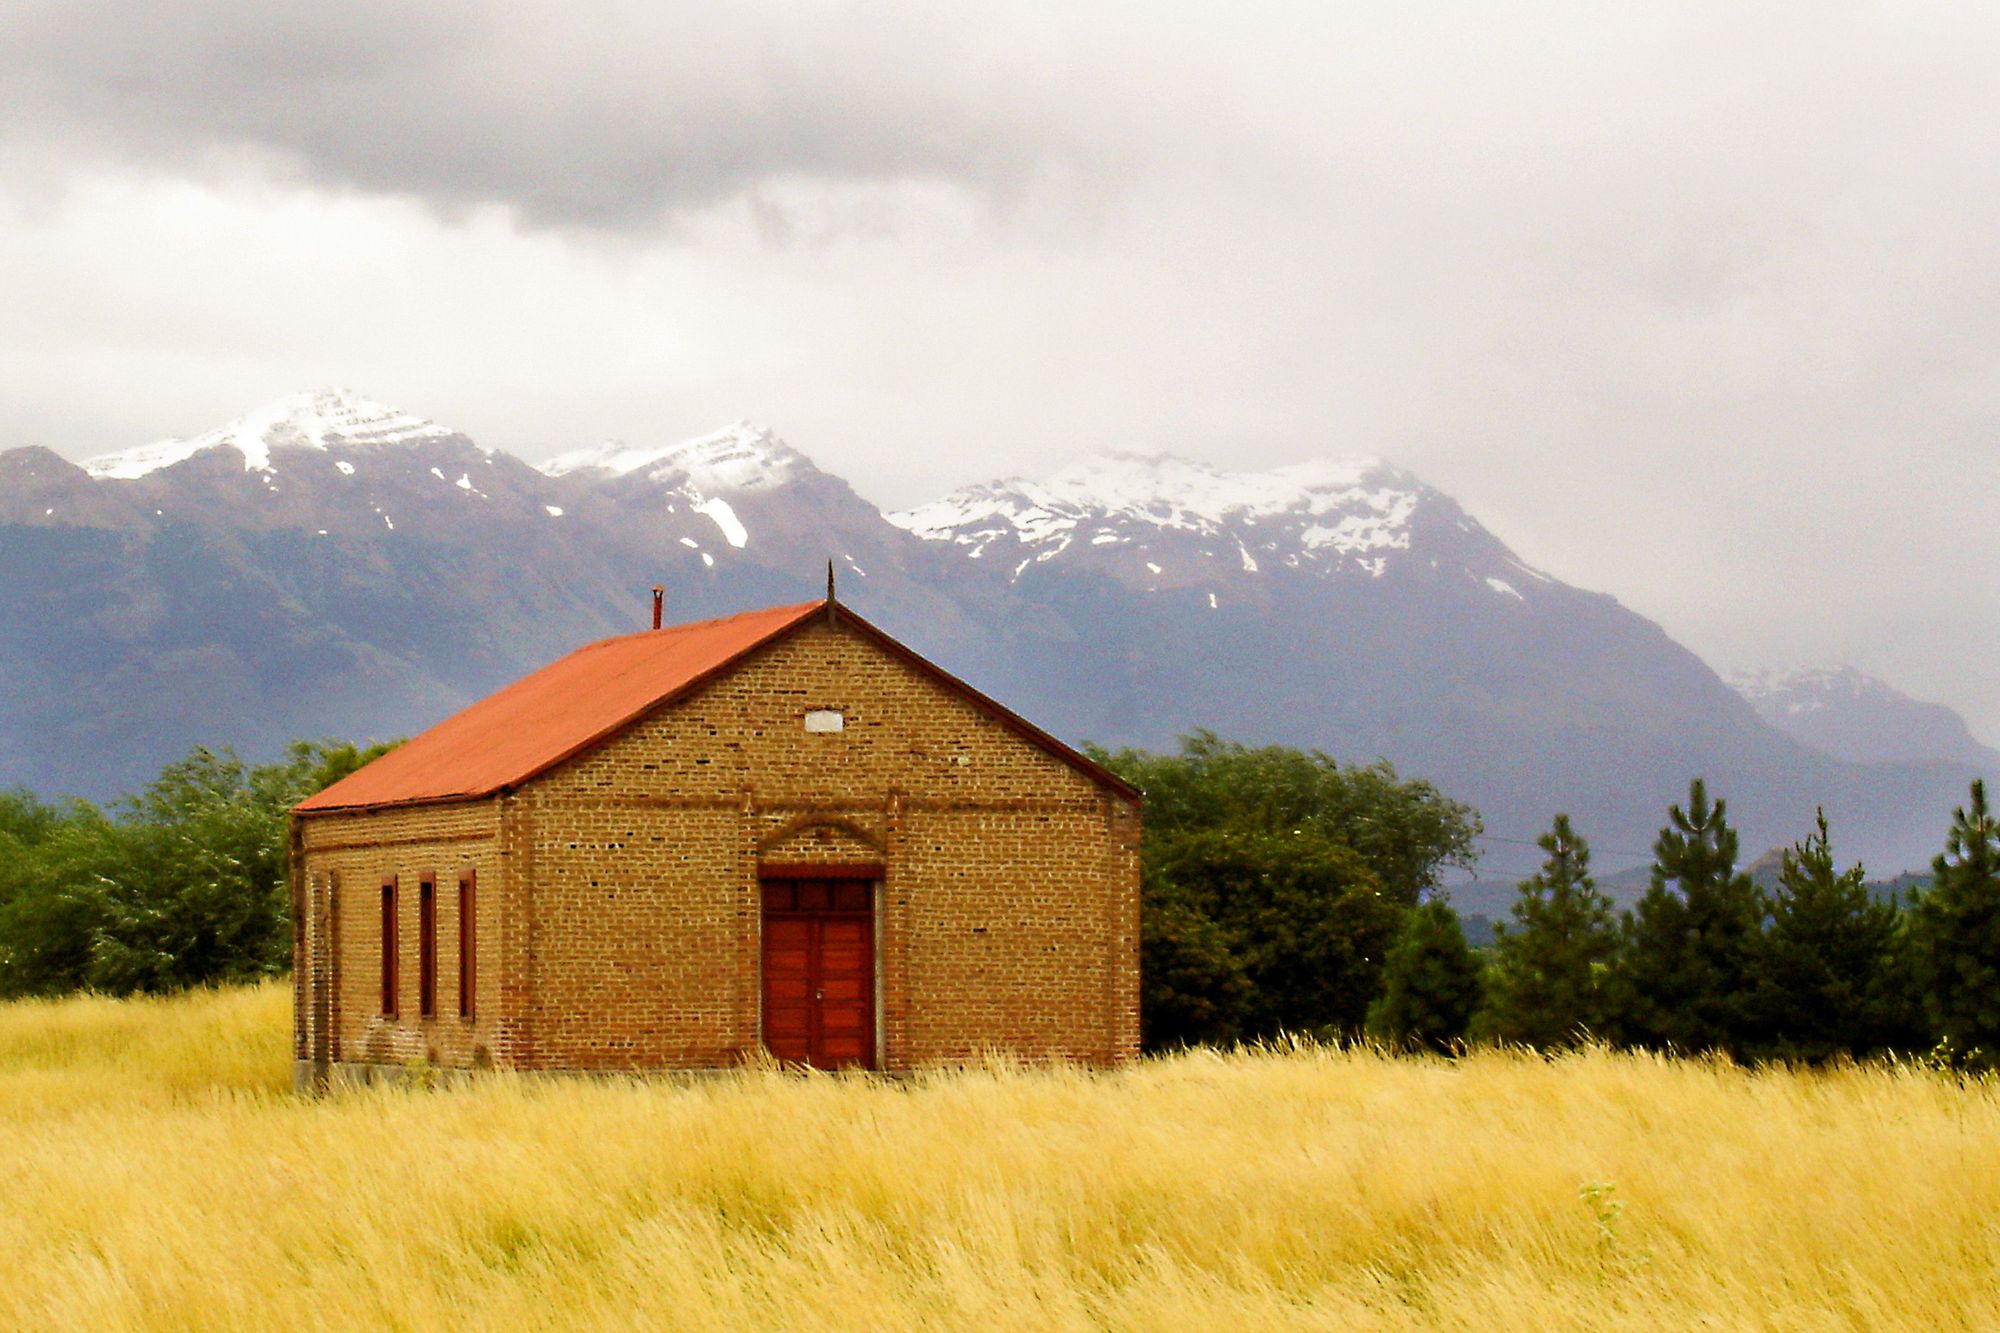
[{"x": 156, "y": 1172}]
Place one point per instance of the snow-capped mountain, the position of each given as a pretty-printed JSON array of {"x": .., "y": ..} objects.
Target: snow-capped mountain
[
  {"x": 1855, "y": 716},
  {"x": 742, "y": 456},
  {"x": 330, "y": 463},
  {"x": 740, "y": 498},
  {"x": 324, "y": 420},
  {"x": 1155, "y": 522},
  {"x": 1356, "y": 510},
  {"x": 329, "y": 565},
  {"x": 702, "y": 475}
]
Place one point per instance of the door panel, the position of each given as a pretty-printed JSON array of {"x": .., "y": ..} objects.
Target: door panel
[{"x": 819, "y": 972}]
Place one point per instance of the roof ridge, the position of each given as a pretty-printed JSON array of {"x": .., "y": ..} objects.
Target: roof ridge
[
  {"x": 739, "y": 615},
  {"x": 693, "y": 625}
]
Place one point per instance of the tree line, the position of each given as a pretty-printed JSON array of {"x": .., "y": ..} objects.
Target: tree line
[
  {"x": 1281, "y": 892},
  {"x": 181, "y": 885},
  {"x": 1285, "y": 892}
]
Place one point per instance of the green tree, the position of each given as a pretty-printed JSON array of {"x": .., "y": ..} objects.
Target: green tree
[
  {"x": 1545, "y": 983},
  {"x": 26, "y": 824},
  {"x": 1274, "y": 882},
  {"x": 45, "y": 927},
  {"x": 1686, "y": 971},
  {"x": 1430, "y": 983},
  {"x": 1957, "y": 935},
  {"x": 181, "y": 885},
  {"x": 1830, "y": 974},
  {"x": 1302, "y": 921},
  {"x": 193, "y": 885},
  {"x": 1404, "y": 830},
  {"x": 24, "y": 820},
  {"x": 1193, "y": 985}
]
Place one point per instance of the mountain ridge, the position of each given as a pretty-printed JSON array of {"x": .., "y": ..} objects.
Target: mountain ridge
[
  {"x": 365, "y": 585},
  {"x": 1855, "y": 716},
  {"x": 321, "y": 419}
]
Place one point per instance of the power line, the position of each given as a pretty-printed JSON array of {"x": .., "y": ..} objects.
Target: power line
[
  {"x": 1594, "y": 848},
  {"x": 1502, "y": 875}
]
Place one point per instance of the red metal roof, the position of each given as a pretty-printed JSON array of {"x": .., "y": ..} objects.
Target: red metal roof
[
  {"x": 544, "y": 718},
  {"x": 596, "y": 692}
]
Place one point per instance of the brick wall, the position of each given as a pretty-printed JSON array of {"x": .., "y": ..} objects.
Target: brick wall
[
  {"x": 346, "y": 858},
  {"x": 1007, "y": 912}
]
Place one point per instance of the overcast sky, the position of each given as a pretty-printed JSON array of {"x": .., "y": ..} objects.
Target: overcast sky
[{"x": 1698, "y": 304}]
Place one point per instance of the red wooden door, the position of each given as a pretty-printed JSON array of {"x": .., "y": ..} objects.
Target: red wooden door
[{"x": 819, "y": 972}]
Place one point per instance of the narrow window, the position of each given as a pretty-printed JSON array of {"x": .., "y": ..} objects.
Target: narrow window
[
  {"x": 468, "y": 943},
  {"x": 389, "y": 947},
  {"x": 427, "y": 947}
]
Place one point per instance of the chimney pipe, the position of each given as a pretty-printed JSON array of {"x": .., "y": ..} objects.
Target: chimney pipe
[{"x": 659, "y": 603}]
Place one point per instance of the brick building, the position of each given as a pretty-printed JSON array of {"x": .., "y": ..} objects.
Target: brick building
[{"x": 782, "y": 830}]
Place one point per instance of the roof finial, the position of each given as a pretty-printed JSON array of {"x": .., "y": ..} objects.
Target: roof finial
[{"x": 832, "y": 616}]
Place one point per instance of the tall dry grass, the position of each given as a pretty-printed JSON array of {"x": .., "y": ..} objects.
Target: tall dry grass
[{"x": 155, "y": 1173}]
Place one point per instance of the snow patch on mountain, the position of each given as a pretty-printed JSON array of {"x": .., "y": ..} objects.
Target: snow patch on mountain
[
  {"x": 742, "y": 456},
  {"x": 1358, "y": 509},
  {"x": 318, "y": 420},
  {"x": 1160, "y": 490},
  {"x": 1796, "y": 691},
  {"x": 131, "y": 464},
  {"x": 725, "y": 518}
]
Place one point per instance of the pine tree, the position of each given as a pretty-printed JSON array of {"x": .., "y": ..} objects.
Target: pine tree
[
  {"x": 1830, "y": 977},
  {"x": 1687, "y": 961},
  {"x": 1957, "y": 935},
  {"x": 1430, "y": 982},
  {"x": 1545, "y": 983}
]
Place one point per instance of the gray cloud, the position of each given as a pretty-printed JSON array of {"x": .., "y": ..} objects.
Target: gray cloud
[{"x": 608, "y": 116}]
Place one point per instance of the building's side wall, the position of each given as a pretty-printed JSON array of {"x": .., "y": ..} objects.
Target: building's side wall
[
  {"x": 1009, "y": 908},
  {"x": 1014, "y": 925},
  {"x": 342, "y": 861}
]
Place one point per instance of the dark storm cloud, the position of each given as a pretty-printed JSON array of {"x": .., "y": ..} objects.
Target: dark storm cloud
[{"x": 569, "y": 113}]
